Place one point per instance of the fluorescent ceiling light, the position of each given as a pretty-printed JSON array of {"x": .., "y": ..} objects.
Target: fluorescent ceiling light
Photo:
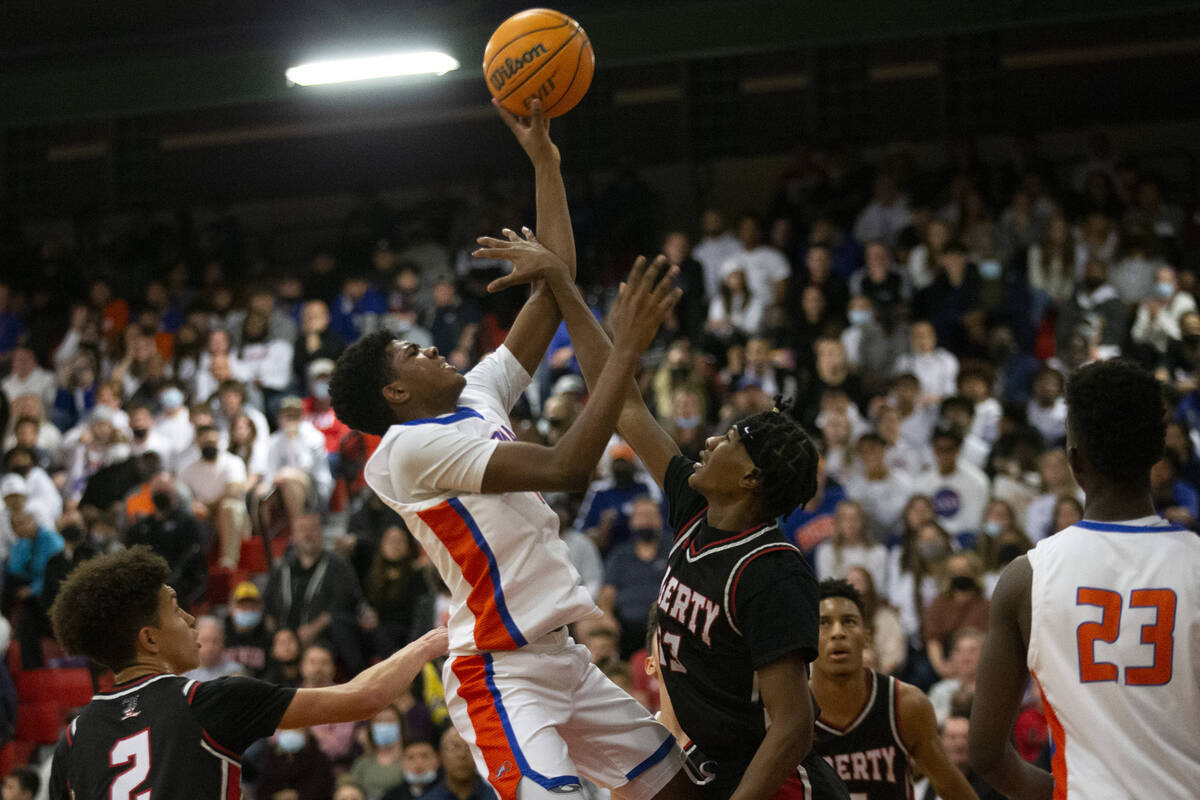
[{"x": 368, "y": 67}]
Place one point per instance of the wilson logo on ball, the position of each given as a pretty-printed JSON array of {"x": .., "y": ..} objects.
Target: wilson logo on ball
[{"x": 512, "y": 66}]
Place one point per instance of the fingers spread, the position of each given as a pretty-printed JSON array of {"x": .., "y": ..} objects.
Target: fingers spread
[{"x": 511, "y": 234}]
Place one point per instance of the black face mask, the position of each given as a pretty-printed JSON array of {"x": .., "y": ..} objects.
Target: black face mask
[
  {"x": 963, "y": 583},
  {"x": 162, "y": 501},
  {"x": 209, "y": 452},
  {"x": 647, "y": 535},
  {"x": 623, "y": 476},
  {"x": 22, "y": 470},
  {"x": 71, "y": 534},
  {"x": 1092, "y": 284},
  {"x": 139, "y": 433},
  {"x": 1007, "y": 553}
]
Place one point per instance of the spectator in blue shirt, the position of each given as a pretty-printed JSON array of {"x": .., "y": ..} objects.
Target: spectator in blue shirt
[
  {"x": 31, "y": 552},
  {"x": 1173, "y": 497},
  {"x": 460, "y": 781},
  {"x": 604, "y": 513},
  {"x": 358, "y": 309},
  {"x": 633, "y": 573}
]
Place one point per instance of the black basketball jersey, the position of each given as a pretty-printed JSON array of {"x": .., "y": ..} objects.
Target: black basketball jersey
[
  {"x": 868, "y": 754},
  {"x": 729, "y": 604},
  {"x": 165, "y": 736}
]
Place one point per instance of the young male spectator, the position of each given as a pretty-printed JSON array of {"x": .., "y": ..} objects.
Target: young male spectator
[
  {"x": 608, "y": 505},
  {"x": 318, "y": 409},
  {"x": 174, "y": 424},
  {"x": 1047, "y": 409},
  {"x": 247, "y": 638},
  {"x": 958, "y": 688},
  {"x": 173, "y": 532},
  {"x": 959, "y": 491},
  {"x": 317, "y": 340},
  {"x": 461, "y": 781},
  {"x": 315, "y": 592},
  {"x": 421, "y": 771},
  {"x": 633, "y": 572},
  {"x": 935, "y": 367},
  {"x": 297, "y": 463},
  {"x": 27, "y": 377},
  {"x": 217, "y": 483},
  {"x": 43, "y": 494},
  {"x": 454, "y": 323},
  {"x": 765, "y": 267},
  {"x": 22, "y": 783},
  {"x": 716, "y": 246},
  {"x": 14, "y": 490},
  {"x": 214, "y": 663},
  {"x": 32, "y": 551},
  {"x": 886, "y": 215},
  {"x": 1095, "y": 305},
  {"x": 883, "y": 492},
  {"x": 334, "y": 739},
  {"x": 954, "y": 732}
]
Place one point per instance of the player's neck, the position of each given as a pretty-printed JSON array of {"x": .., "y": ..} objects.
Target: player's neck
[
  {"x": 740, "y": 515},
  {"x": 841, "y": 697},
  {"x": 141, "y": 669},
  {"x": 1113, "y": 503},
  {"x": 428, "y": 410}
]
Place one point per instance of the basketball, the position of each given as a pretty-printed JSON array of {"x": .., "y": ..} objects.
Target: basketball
[{"x": 541, "y": 54}]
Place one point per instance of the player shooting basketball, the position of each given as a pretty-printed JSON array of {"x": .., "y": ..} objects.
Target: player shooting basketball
[{"x": 535, "y": 712}]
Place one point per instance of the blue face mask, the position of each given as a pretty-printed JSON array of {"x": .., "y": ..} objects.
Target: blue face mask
[
  {"x": 420, "y": 778},
  {"x": 246, "y": 618},
  {"x": 989, "y": 269},
  {"x": 687, "y": 423},
  {"x": 993, "y": 528},
  {"x": 320, "y": 390},
  {"x": 1165, "y": 289},
  {"x": 385, "y": 734},
  {"x": 171, "y": 399},
  {"x": 290, "y": 741},
  {"x": 859, "y": 316}
]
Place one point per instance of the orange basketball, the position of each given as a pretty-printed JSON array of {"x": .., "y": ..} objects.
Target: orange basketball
[{"x": 539, "y": 53}]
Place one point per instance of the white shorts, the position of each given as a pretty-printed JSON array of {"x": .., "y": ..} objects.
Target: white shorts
[{"x": 545, "y": 713}]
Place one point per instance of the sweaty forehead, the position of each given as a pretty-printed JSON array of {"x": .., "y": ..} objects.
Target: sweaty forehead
[{"x": 839, "y": 606}]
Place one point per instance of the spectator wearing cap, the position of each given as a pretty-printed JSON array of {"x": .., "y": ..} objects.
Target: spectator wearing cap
[
  {"x": 959, "y": 491},
  {"x": 27, "y": 377},
  {"x": 33, "y": 546},
  {"x": 318, "y": 408},
  {"x": 317, "y": 340},
  {"x": 247, "y": 640},
  {"x": 42, "y": 491},
  {"x": 608, "y": 504},
  {"x": 454, "y": 323},
  {"x": 297, "y": 464}
]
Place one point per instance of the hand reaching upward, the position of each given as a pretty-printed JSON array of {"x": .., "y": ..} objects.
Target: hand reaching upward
[
  {"x": 532, "y": 132},
  {"x": 643, "y": 303}
]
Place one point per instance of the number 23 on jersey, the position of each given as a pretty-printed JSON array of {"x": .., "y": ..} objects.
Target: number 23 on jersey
[{"x": 1160, "y": 633}]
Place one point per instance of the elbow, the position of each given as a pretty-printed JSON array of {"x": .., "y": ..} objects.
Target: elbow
[{"x": 984, "y": 759}]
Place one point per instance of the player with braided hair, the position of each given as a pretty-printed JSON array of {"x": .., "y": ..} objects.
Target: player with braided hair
[{"x": 737, "y": 610}]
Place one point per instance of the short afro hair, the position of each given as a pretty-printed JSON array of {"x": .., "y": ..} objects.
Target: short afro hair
[
  {"x": 839, "y": 587},
  {"x": 356, "y": 386},
  {"x": 786, "y": 456},
  {"x": 105, "y": 602},
  {"x": 1116, "y": 418}
]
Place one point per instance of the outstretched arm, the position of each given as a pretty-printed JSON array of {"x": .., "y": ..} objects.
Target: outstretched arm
[
  {"x": 642, "y": 305},
  {"x": 370, "y": 692},
  {"x": 592, "y": 346},
  {"x": 786, "y": 700},
  {"x": 538, "y": 319},
  {"x": 918, "y": 730},
  {"x": 999, "y": 688}
]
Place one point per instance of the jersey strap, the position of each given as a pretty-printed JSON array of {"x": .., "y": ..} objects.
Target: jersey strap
[{"x": 735, "y": 575}]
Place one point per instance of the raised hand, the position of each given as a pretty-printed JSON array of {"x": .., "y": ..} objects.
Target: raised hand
[
  {"x": 532, "y": 132},
  {"x": 643, "y": 303},
  {"x": 530, "y": 259}
]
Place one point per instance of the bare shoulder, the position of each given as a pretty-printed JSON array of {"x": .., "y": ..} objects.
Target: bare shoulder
[{"x": 912, "y": 705}]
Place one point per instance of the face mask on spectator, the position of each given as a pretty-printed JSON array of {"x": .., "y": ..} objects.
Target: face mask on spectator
[
  {"x": 687, "y": 423},
  {"x": 989, "y": 269},
  {"x": 321, "y": 390},
  {"x": 209, "y": 452},
  {"x": 420, "y": 778},
  {"x": 962, "y": 583},
  {"x": 290, "y": 741},
  {"x": 1092, "y": 283},
  {"x": 1165, "y": 289},
  {"x": 71, "y": 533},
  {"x": 859, "y": 316},
  {"x": 993, "y": 528},
  {"x": 171, "y": 399},
  {"x": 246, "y": 617},
  {"x": 932, "y": 551},
  {"x": 647, "y": 535},
  {"x": 139, "y": 433},
  {"x": 22, "y": 470},
  {"x": 385, "y": 733},
  {"x": 162, "y": 500}
]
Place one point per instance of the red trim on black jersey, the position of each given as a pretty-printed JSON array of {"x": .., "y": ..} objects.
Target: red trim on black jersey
[
  {"x": 738, "y": 575},
  {"x": 727, "y": 540},
  {"x": 192, "y": 692},
  {"x": 233, "y": 784},
  {"x": 687, "y": 525},
  {"x": 225, "y": 751}
]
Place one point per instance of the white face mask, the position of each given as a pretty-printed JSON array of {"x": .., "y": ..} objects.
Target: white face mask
[{"x": 420, "y": 778}]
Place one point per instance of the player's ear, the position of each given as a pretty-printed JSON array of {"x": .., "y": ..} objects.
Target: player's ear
[
  {"x": 752, "y": 480},
  {"x": 148, "y": 639},
  {"x": 651, "y": 666},
  {"x": 395, "y": 394},
  {"x": 1076, "y": 461}
]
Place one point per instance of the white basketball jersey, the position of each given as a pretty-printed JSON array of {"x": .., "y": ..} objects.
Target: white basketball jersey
[
  {"x": 510, "y": 577},
  {"x": 1114, "y": 643}
]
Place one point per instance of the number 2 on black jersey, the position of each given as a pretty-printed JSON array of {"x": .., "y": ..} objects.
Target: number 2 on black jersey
[{"x": 135, "y": 751}]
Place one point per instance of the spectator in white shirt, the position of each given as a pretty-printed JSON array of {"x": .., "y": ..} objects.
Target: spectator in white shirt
[
  {"x": 297, "y": 463},
  {"x": 935, "y": 367},
  {"x": 1158, "y": 315},
  {"x": 174, "y": 425},
  {"x": 959, "y": 413},
  {"x": 886, "y": 215},
  {"x": 767, "y": 270},
  {"x": 1057, "y": 481},
  {"x": 958, "y": 490},
  {"x": 217, "y": 482},
  {"x": 43, "y": 494},
  {"x": 232, "y": 401},
  {"x": 267, "y": 359},
  {"x": 143, "y": 436},
  {"x": 27, "y": 377},
  {"x": 734, "y": 310},
  {"x": 883, "y": 492},
  {"x": 717, "y": 246},
  {"x": 974, "y": 382},
  {"x": 1047, "y": 409},
  {"x": 849, "y": 546}
]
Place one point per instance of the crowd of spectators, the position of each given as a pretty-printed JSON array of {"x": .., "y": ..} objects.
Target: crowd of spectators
[{"x": 165, "y": 382}]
